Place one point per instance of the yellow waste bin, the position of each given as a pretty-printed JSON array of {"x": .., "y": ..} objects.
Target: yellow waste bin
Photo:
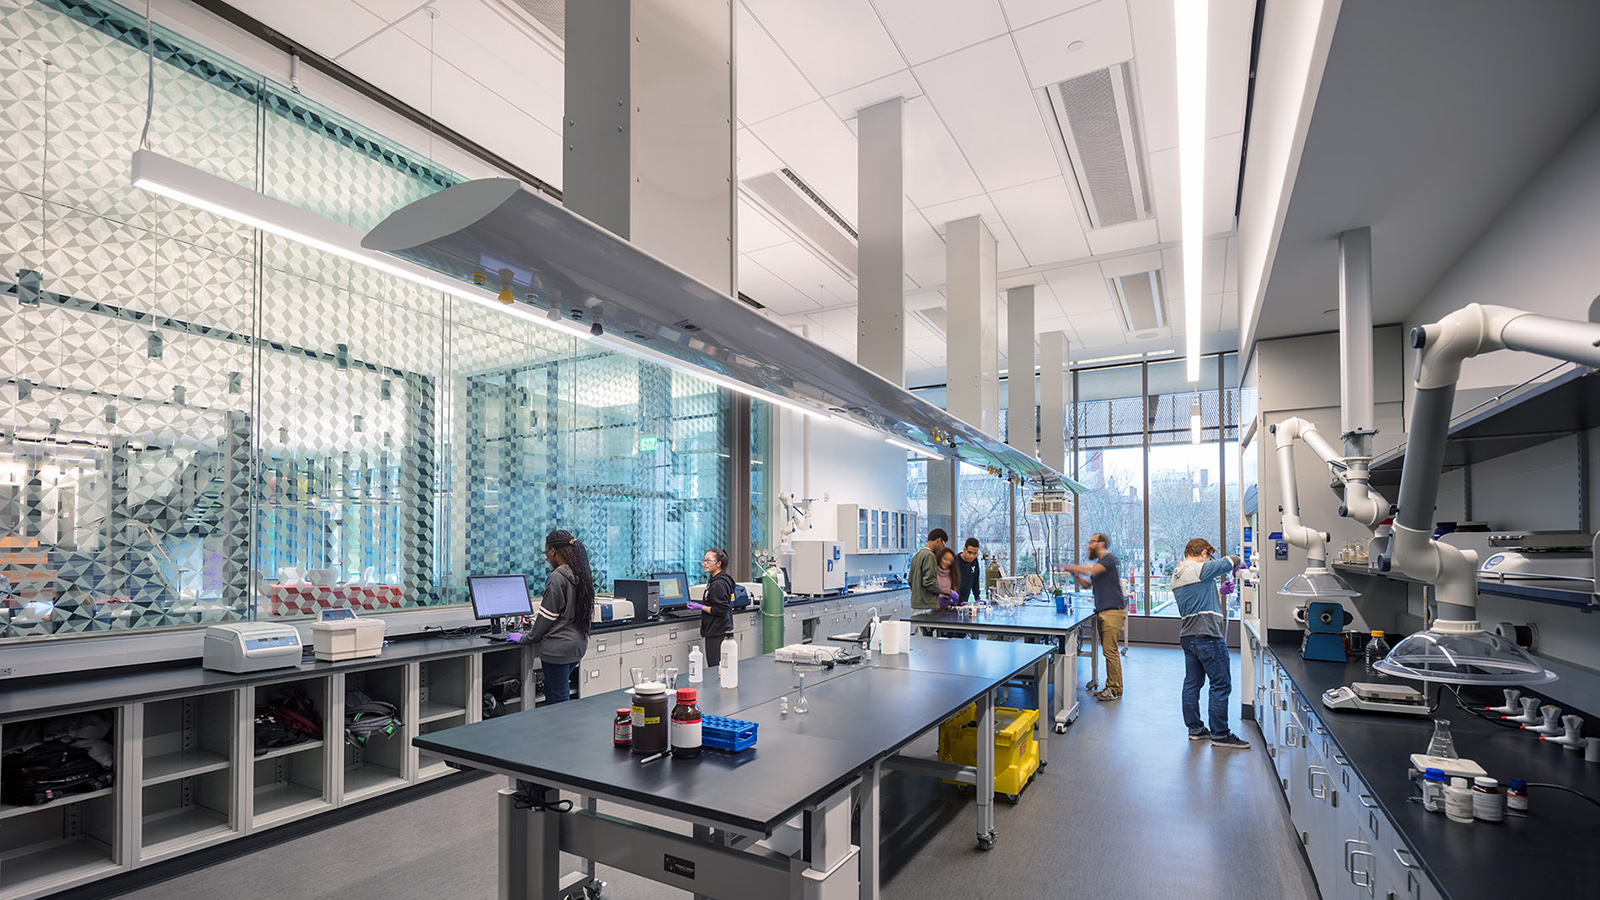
[{"x": 1016, "y": 746}]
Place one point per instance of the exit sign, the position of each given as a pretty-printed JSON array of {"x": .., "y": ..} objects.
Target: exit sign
[{"x": 648, "y": 442}]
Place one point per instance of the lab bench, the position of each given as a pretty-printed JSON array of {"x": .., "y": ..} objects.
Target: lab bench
[
  {"x": 1344, "y": 774},
  {"x": 187, "y": 772}
]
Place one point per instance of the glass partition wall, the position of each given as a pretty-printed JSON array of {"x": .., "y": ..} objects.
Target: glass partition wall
[{"x": 201, "y": 422}]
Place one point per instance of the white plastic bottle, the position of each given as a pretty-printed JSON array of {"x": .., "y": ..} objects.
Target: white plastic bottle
[
  {"x": 697, "y": 665},
  {"x": 730, "y": 662}
]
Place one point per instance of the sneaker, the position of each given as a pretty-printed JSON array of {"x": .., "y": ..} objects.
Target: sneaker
[
  {"x": 1199, "y": 735},
  {"x": 1107, "y": 695},
  {"x": 1231, "y": 741}
]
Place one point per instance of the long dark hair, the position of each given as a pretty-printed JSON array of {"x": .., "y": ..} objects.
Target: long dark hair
[{"x": 575, "y": 557}]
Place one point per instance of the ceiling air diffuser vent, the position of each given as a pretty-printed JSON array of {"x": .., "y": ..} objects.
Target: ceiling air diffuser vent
[
  {"x": 792, "y": 205},
  {"x": 1097, "y": 134},
  {"x": 1141, "y": 301}
]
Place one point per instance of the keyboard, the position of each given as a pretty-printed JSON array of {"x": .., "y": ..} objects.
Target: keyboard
[{"x": 493, "y": 638}]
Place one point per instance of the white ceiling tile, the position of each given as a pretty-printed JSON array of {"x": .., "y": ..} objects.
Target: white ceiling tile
[
  {"x": 943, "y": 214},
  {"x": 1119, "y": 238},
  {"x": 1026, "y": 12},
  {"x": 756, "y": 231},
  {"x": 1007, "y": 256},
  {"x": 1080, "y": 290},
  {"x": 900, "y": 84},
  {"x": 815, "y": 145},
  {"x": 1211, "y": 276},
  {"x": 984, "y": 100},
  {"x": 1164, "y": 193},
  {"x": 806, "y": 274},
  {"x": 1230, "y": 271},
  {"x": 1131, "y": 264},
  {"x": 1098, "y": 329},
  {"x": 924, "y": 250},
  {"x": 1229, "y": 29},
  {"x": 768, "y": 82},
  {"x": 1041, "y": 219},
  {"x": 761, "y": 285},
  {"x": 924, "y": 29},
  {"x": 1222, "y": 181},
  {"x": 836, "y": 43},
  {"x": 484, "y": 46},
  {"x": 936, "y": 171},
  {"x": 387, "y": 10},
  {"x": 338, "y": 26},
  {"x": 1230, "y": 312},
  {"x": 1046, "y": 307},
  {"x": 754, "y": 157},
  {"x": 1103, "y": 29}
]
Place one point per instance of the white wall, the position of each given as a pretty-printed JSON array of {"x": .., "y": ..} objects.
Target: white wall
[
  {"x": 1300, "y": 377},
  {"x": 1538, "y": 255}
]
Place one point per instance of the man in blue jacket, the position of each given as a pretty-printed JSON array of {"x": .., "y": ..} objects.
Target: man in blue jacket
[{"x": 1203, "y": 635}]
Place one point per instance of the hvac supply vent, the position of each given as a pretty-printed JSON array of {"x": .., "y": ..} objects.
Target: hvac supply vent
[
  {"x": 552, "y": 14},
  {"x": 1097, "y": 131},
  {"x": 792, "y": 205},
  {"x": 1141, "y": 301}
]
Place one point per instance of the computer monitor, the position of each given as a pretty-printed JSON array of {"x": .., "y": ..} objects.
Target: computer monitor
[
  {"x": 674, "y": 588},
  {"x": 496, "y": 596}
]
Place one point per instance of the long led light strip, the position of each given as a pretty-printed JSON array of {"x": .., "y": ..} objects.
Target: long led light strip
[
  {"x": 187, "y": 184},
  {"x": 922, "y": 451},
  {"x": 1189, "y": 20},
  {"x": 678, "y": 365}
]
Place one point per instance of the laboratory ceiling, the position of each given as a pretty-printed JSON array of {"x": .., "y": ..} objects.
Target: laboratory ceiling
[
  {"x": 979, "y": 78},
  {"x": 1431, "y": 117}
]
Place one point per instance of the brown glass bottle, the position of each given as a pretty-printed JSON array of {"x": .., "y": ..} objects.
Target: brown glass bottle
[
  {"x": 686, "y": 722},
  {"x": 649, "y": 718}
]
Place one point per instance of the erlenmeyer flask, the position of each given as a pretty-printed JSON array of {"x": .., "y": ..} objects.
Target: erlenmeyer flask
[{"x": 1442, "y": 745}]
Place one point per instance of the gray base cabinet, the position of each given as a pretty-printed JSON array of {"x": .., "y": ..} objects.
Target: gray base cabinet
[{"x": 1352, "y": 846}]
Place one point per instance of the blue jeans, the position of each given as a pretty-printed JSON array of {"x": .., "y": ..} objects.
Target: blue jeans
[
  {"x": 557, "y": 681},
  {"x": 1205, "y": 658}
]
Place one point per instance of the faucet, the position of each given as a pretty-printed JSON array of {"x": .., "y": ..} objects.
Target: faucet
[
  {"x": 1511, "y": 702},
  {"x": 1573, "y": 739},
  {"x": 1551, "y": 725},
  {"x": 1530, "y": 712}
]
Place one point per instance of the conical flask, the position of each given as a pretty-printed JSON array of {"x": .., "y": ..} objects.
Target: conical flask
[{"x": 1442, "y": 745}]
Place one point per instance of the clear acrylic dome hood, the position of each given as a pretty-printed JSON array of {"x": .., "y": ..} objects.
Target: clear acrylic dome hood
[
  {"x": 1456, "y": 652},
  {"x": 1318, "y": 582}
]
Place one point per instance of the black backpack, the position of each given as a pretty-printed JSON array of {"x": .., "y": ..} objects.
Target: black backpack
[{"x": 49, "y": 771}]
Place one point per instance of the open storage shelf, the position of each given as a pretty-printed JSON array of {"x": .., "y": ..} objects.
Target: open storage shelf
[
  {"x": 59, "y": 844},
  {"x": 186, "y": 811},
  {"x": 433, "y": 766},
  {"x": 443, "y": 689},
  {"x": 380, "y": 764},
  {"x": 292, "y": 781}
]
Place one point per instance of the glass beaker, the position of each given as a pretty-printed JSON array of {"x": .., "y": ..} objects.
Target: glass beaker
[{"x": 1442, "y": 745}]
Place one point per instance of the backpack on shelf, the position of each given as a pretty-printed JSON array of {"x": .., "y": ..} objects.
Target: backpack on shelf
[
  {"x": 290, "y": 718},
  {"x": 50, "y": 771},
  {"x": 365, "y": 717}
]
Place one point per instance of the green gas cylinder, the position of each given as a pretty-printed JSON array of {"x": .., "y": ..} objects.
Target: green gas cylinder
[{"x": 771, "y": 609}]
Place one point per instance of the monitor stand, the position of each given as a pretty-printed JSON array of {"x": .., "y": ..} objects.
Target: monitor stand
[{"x": 496, "y": 626}]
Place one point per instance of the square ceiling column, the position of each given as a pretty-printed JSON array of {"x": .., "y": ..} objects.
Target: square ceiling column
[
  {"x": 881, "y": 241},
  {"x": 1021, "y": 428},
  {"x": 1053, "y": 398},
  {"x": 648, "y": 131},
  {"x": 972, "y": 326}
]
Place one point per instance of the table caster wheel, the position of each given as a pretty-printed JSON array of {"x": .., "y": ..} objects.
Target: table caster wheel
[
  {"x": 1061, "y": 729},
  {"x": 1092, "y": 686},
  {"x": 986, "y": 842},
  {"x": 1011, "y": 799}
]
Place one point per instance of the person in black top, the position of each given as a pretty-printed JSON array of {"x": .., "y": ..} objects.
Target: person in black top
[
  {"x": 971, "y": 584},
  {"x": 560, "y": 632},
  {"x": 716, "y": 613}
]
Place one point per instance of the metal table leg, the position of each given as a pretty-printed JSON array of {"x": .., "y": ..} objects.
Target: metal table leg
[
  {"x": 530, "y": 850},
  {"x": 1041, "y": 702},
  {"x": 871, "y": 830},
  {"x": 1094, "y": 652},
  {"x": 985, "y": 786}
]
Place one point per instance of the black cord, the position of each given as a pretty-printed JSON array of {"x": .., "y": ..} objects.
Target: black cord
[
  {"x": 1469, "y": 710},
  {"x": 1562, "y": 787},
  {"x": 527, "y": 800}
]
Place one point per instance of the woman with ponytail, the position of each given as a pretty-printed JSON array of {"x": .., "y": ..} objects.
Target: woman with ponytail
[{"x": 560, "y": 632}]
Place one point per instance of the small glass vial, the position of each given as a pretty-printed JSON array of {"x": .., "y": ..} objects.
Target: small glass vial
[
  {"x": 1517, "y": 795},
  {"x": 1488, "y": 804},
  {"x": 686, "y": 725},
  {"x": 622, "y": 728},
  {"x": 1458, "y": 801},
  {"x": 1433, "y": 784}
]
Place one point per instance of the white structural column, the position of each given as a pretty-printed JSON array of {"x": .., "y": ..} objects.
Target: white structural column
[
  {"x": 1053, "y": 377},
  {"x": 1021, "y": 432},
  {"x": 972, "y": 328},
  {"x": 880, "y": 242},
  {"x": 648, "y": 130}
]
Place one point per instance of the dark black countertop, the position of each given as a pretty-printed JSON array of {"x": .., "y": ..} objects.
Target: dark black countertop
[
  {"x": 858, "y": 715},
  {"x": 1041, "y": 617},
  {"x": 1543, "y": 855}
]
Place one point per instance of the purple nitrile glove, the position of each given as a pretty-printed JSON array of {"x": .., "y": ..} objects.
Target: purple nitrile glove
[
  {"x": 1227, "y": 588},
  {"x": 514, "y": 637},
  {"x": 693, "y": 605}
]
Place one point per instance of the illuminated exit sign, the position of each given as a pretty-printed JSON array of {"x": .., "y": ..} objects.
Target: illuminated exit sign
[{"x": 648, "y": 442}]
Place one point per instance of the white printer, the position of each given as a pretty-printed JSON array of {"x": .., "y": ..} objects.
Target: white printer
[
  {"x": 610, "y": 609},
  {"x": 251, "y": 646}
]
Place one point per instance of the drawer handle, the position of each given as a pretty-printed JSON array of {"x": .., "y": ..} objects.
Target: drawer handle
[
  {"x": 1365, "y": 873},
  {"x": 1341, "y": 759},
  {"x": 594, "y": 673},
  {"x": 600, "y": 647},
  {"x": 637, "y": 641},
  {"x": 1367, "y": 801},
  {"x": 1402, "y": 855}
]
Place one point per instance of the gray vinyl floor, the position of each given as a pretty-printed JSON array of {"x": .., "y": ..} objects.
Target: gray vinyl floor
[{"x": 1127, "y": 808}]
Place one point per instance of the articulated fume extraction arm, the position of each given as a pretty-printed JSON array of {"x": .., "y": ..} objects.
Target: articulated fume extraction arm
[
  {"x": 1361, "y": 502},
  {"x": 1316, "y": 581},
  {"x": 1456, "y": 648}
]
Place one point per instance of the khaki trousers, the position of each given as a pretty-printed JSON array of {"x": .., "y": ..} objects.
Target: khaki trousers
[{"x": 1110, "y": 623}]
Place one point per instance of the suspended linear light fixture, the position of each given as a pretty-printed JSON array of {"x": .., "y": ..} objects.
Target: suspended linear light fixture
[
  {"x": 1190, "y": 19},
  {"x": 1194, "y": 421}
]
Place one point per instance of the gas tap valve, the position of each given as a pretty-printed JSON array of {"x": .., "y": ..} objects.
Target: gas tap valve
[
  {"x": 1552, "y": 723},
  {"x": 1510, "y": 706},
  {"x": 1573, "y": 738},
  {"x": 1530, "y": 712}
]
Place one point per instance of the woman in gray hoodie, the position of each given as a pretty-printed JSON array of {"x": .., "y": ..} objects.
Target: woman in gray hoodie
[{"x": 560, "y": 632}]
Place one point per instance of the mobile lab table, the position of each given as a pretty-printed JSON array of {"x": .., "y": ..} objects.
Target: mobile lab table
[
  {"x": 743, "y": 807},
  {"x": 1032, "y": 620}
]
